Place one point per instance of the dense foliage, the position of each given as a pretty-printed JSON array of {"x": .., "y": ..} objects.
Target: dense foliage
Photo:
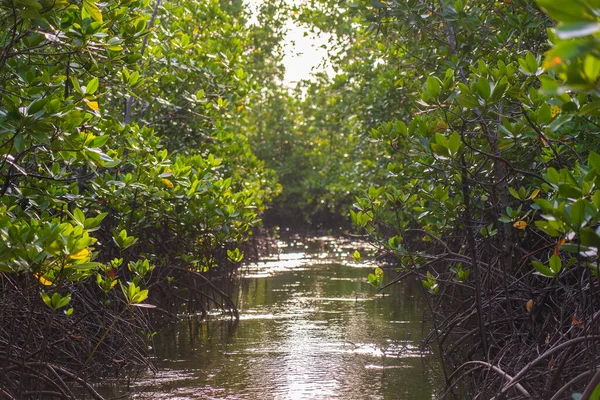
[
  {"x": 469, "y": 131},
  {"x": 125, "y": 172},
  {"x": 141, "y": 141}
]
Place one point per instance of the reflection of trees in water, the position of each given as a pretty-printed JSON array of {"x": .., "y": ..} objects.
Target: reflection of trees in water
[{"x": 318, "y": 328}]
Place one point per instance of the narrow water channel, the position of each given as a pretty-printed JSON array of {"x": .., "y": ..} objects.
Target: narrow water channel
[{"x": 311, "y": 327}]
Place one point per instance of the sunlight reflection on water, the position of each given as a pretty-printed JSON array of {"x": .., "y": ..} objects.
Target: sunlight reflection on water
[{"x": 310, "y": 327}]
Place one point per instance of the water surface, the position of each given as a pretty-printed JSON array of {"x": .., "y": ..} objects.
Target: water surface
[{"x": 311, "y": 327}]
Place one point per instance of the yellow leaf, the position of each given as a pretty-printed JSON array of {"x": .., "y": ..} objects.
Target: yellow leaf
[
  {"x": 80, "y": 254},
  {"x": 441, "y": 126},
  {"x": 378, "y": 272},
  {"x": 195, "y": 31},
  {"x": 533, "y": 194},
  {"x": 167, "y": 183},
  {"x": 520, "y": 224},
  {"x": 92, "y": 104},
  {"x": 42, "y": 280},
  {"x": 529, "y": 305},
  {"x": 240, "y": 107},
  {"x": 554, "y": 110}
]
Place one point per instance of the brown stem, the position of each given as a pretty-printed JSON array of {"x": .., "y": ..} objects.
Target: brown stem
[
  {"x": 587, "y": 393},
  {"x": 541, "y": 358},
  {"x": 472, "y": 247},
  {"x": 494, "y": 368}
]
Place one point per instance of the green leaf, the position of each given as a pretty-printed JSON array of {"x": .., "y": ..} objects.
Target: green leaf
[
  {"x": 85, "y": 266},
  {"x": 441, "y": 140},
  {"x": 467, "y": 101},
  {"x": 140, "y": 296},
  {"x": 46, "y": 299},
  {"x": 76, "y": 85},
  {"x": 92, "y": 86},
  {"x": 559, "y": 121},
  {"x": 591, "y": 68},
  {"x": 63, "y": 301},
  {"x": 79, "y": 216},
  {"x": 529, "y": 64},
  {"x": 588, "y": 237},
  {"x": 193, "y": 187},
  {"x": 373, "y": 193},
  {"x": 596, "y": 199},
  {"x": 98, "y": 141},
  {"x": 569, "y": 191},
  {"x": 499, "y": 89},
  {"x": 553, "y": 175},
  {"x": 454, "y": 142},
  {"x": 578, "y": 213},
  {"x": 514, "y": 193},
  {"x": 440, "y": 150},
  {"x": 235, "y": 255},
  {"x": 532, "y": 63},
  {"x": 91, "y": 9},
  {"x": 548, "y": 228},
  {"x": 433, "y": 86},
  {"x": 35, "y": 5},
  {"x": 542, "y": 269},
  {"x": 555, "y": 264},
  {"x": 133, "y": 78},
  {"x": 56, "y": 297},
  {"x": 594, "y": 161},
  {"x": 592, "y": 108},
  {"x": 596, "y": 393},
  {"x": 372, "y": 279},
  {"x": 131, "y": 291},
  {"x": 483, "y": 88},
  {"x": 19, "y": 142},
  {"x": 575, "y": 12}
]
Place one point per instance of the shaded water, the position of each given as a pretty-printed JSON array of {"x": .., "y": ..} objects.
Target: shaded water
[{"x": 310, "y": 327}]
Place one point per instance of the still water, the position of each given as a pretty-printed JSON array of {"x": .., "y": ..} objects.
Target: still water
[{"x": 311, "y": 327}]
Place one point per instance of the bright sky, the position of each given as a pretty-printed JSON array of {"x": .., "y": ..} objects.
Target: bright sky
[{"x": 302, "y": 54}]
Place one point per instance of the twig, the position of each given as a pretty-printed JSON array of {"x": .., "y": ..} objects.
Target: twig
[
  {"x": 541, "y": 358},
  {"x": 493, "y": 368}
]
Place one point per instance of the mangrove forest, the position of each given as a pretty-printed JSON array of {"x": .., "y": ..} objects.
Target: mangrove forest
[{"x": 300, "y": 199}]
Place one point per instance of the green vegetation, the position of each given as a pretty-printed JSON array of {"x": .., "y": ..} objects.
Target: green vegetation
[
  {"x": 140, "y": 143},
  {"x": 124, "y": 163},
  {"x": 464, "y": 135}
]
